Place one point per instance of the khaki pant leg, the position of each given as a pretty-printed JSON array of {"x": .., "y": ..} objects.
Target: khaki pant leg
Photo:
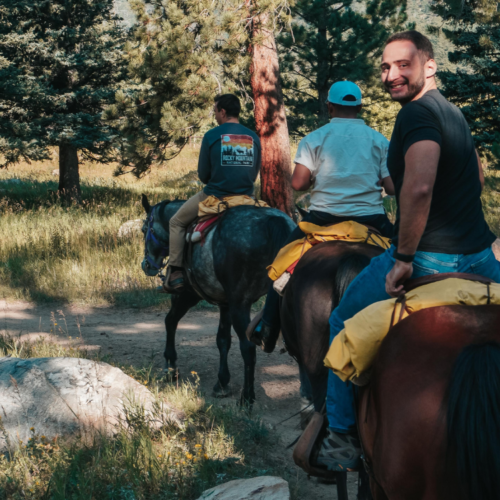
[{"x": 178, "y": 225}]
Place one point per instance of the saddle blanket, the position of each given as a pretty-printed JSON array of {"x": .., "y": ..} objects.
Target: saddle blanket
[
  {"x": 201, "y": 229},
  {"x": 353, "y": 350},
  {"x": 214, "y": 206},
  {"x": 288, "y": 256}
]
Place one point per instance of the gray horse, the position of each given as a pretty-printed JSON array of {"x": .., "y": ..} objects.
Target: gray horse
[{"x": 230, "y": 268}]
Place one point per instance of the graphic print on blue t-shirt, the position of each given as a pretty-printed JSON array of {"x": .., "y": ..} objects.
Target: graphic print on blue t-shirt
[{"x": 236, "y": 150}]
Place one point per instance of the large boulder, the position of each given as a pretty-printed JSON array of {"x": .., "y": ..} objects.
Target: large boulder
[
  {"x": 257, "y": 488},
  {"x": 71, "y": 396},
  {"x": 130, "y": 227}
]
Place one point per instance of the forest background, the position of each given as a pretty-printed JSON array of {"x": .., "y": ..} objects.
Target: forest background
[
  {"x": 128, "y": 110},
  {"x": 132, "y": 91},
  {"x": 84, "y": 97}
]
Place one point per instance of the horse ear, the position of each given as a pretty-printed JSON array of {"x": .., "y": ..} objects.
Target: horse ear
[
  {"x": 145, "y": 204},
  {"x": 302, "y": 212}
]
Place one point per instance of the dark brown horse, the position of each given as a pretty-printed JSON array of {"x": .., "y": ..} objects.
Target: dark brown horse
[
  {"x": 430, "y": 418},
  {"x": 315, "y": 289}
]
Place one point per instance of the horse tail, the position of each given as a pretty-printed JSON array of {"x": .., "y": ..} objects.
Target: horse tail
[
  {"x": 473, "y": 421},
  {"x": 349, "y": 267}
]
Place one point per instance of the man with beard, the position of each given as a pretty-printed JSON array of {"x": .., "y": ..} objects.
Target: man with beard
[{"x": 440, "y": 225}]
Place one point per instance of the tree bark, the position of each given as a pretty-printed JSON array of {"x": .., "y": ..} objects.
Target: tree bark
[
  {"x": 270, "y": 118},
  {"x": 69, "y": 175}
]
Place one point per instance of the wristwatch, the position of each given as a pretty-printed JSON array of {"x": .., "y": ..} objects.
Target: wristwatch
[{"x": 403, "y": 257}]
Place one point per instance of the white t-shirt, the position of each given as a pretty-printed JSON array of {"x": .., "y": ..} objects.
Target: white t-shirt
[{"x": 346, "y": 159}]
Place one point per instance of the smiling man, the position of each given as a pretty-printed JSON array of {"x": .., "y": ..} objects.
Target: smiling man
[{"x": 440, "y": 225}]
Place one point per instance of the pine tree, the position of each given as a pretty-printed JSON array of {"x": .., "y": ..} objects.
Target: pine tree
[
  {"x": 60, "y": 64},
  {"x": 183, "y": 53},
  {"x": 474, "y": 28},
  {"x": 331, "y": 41}
]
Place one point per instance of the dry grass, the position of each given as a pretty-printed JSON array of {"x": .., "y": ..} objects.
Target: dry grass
[
  {"x": 49, "y": 252},
  {"x": 72, "y": 254}
]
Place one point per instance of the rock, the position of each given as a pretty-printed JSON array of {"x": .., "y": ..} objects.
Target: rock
[
  {"x": 68, "y": 396},
  {"x": 257, "y": 488},
  {"x": 55, "y": 172},
  {"x": 130, "y": 227},
  {"x": 496, "y": 248}
]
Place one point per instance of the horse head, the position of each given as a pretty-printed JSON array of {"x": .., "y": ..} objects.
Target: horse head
[{"x": 156, "y": 236}]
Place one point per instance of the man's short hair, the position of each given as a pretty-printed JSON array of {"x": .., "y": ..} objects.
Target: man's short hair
[
  {"x": 230, "y": 103},
  {"x": 421, "y": 42}
]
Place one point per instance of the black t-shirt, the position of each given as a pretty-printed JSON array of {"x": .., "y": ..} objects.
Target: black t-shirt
[{"x": 456, "y": 222}]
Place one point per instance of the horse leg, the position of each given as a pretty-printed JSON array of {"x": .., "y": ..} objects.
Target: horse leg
[
  {"x": 306, "y": 397},
  {"x": 180, "y": 306},
  {"x": 364, "y": 492},
  {"x": 319, "y": 381},
  {"x": 377, "y": 492},
  {"x": 221, "y": 389},
  {"x": 240, "y": 315},
  {"x": 342, "y": 486}
]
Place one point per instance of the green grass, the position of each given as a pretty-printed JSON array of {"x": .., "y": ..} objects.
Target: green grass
[
  {"x": 50, "y": 252},
  {"x": 215, "y": 445}
]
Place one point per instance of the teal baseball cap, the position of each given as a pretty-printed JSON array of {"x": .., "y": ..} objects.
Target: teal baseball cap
[{"x": 345, "y": 94}]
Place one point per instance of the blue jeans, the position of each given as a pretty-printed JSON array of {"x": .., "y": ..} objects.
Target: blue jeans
[{"x": 339, "y": 401}]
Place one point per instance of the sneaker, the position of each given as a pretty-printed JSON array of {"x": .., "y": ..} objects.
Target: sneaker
[
  {"x": 262, "y": 335},
  {"x": 340, "y": 452},
  {"x": 268, "y": 335}
]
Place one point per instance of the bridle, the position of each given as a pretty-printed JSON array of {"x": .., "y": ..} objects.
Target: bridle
[{"x": 150, "y": 236}]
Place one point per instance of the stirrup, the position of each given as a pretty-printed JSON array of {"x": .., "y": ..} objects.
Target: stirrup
[
  {"x": 252, "y": 326},
  {"x": 308, "y": 446},
  {"x": 169, "y": 287}
]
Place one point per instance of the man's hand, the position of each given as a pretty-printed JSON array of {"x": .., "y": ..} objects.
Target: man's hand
[{"x": 396, "y": 277}]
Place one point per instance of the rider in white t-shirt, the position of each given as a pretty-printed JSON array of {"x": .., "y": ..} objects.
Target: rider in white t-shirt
[{"x": 345, "y": 162}]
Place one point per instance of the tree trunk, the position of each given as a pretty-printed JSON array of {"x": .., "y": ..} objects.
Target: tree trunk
[
  {"x": 69, "y": 176},
  {"x": 270, "y": 118}
]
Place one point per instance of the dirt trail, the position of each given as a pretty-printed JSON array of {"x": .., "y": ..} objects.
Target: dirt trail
[{"x": 137, "y": 338}]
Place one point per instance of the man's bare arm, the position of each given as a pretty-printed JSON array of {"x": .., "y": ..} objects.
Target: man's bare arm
[
  {"x": 301, "y": 178},
  {"x": 421, "y": 161},
  {"x": 481, "y": 173},
  {"x": 388, "y": 186}
]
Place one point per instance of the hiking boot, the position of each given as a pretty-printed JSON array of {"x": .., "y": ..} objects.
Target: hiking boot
[
  {"x": 174, "y": 282},
  {"x": 339, "y": 452}
]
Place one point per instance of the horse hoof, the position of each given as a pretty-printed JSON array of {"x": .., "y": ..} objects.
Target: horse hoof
[
  {"x": 221, "y": 392},
  {"x": 171, "y": 374}
]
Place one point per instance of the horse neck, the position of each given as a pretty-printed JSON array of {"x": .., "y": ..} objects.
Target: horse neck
[{"x": 165, "y": 213}]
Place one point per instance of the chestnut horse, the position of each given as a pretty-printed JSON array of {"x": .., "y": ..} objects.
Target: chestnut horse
[{"x": 430, "y": 418}]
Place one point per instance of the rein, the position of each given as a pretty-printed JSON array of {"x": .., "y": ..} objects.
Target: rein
[{"x": 150, "y": 236}]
